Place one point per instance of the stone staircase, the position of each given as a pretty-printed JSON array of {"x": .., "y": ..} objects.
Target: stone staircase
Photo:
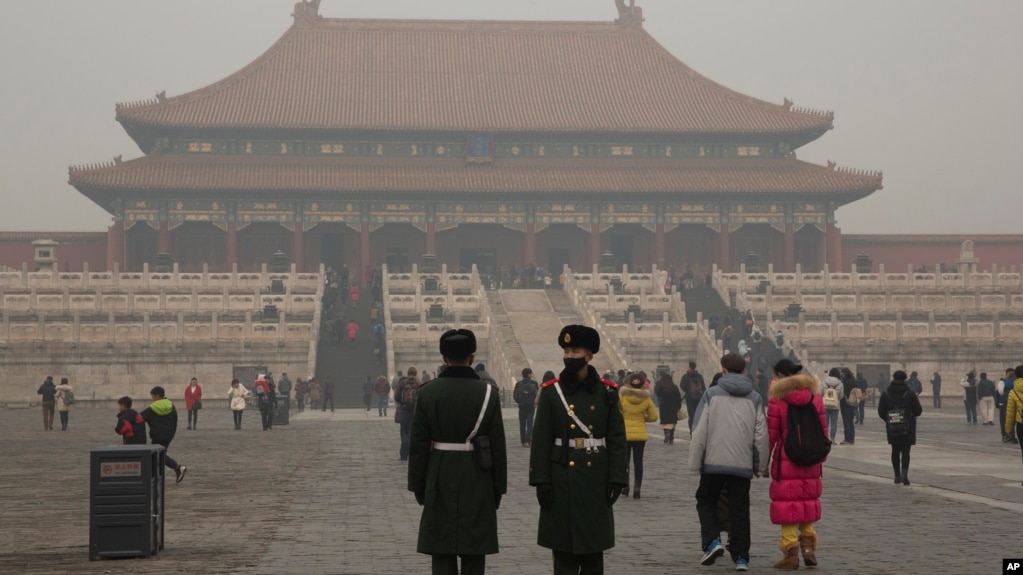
[{"x": 503, "y": 330}]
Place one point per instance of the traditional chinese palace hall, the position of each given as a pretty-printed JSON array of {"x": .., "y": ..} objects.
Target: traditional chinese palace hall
[{"x": 364, "y": 142}]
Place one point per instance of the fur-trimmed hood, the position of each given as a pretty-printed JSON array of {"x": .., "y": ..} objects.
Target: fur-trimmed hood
[
  {"x": 629, "y": 393},
  {"x": 796, "y": 390}
]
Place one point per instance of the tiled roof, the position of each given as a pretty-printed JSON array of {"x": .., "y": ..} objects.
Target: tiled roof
[
  {"x": 182, "y": 173},
  {"x": 60, "y": 237},
  {"x": 468, "y": 76}
]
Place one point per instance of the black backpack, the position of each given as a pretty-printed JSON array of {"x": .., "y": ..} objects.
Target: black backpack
[{"x": 806, "y": 443}]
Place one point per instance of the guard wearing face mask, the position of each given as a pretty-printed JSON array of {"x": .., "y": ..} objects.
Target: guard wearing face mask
[{"x": 578, "y": 461}]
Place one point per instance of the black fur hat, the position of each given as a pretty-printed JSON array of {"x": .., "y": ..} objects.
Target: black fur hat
[{"x": 579, "y": 336}]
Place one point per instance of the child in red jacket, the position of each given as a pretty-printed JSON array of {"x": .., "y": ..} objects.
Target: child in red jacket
[{"x": 131, "y": 430}]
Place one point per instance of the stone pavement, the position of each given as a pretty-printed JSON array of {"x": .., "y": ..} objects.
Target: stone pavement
[{"x": 327, "y": 495}]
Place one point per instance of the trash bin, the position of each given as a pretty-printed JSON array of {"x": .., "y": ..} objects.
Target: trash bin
[
  {"x": 126, "y": 501},
  {"x": 283, "y": 407}
]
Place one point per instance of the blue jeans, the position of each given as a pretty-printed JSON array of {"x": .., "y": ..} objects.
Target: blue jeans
[
  {"x": 848, "y": 423},
  {"x": 381, "y": 405},
  {"x": 832, "y": 423}
]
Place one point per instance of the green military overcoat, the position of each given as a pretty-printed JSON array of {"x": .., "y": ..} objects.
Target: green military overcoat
[
  {"x": 581, "y": 519},
  {"x": 460, "y": 512}
]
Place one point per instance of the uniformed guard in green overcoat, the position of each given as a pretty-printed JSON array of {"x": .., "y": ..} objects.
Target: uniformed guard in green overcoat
[
  {"x": 458, "y": 465},
  {"x": 578, "y": 460}
]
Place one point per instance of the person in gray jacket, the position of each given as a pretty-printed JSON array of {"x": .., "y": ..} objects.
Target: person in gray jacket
[{"x": 729, "y": 447}]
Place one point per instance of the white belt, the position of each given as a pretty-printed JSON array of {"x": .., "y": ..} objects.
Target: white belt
[
  {"x": 438, "y": 446},
  {"x": 589, "y": 443}
]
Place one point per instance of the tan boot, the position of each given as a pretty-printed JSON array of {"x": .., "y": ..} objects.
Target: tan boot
[
  {"x": 790, "y": 559},
  {"x": 808, "y": 545}
]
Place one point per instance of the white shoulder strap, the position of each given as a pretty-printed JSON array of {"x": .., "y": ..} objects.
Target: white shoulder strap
[
  {"x": 570, "y": 412},
  {"x": 483, "y": 410}
]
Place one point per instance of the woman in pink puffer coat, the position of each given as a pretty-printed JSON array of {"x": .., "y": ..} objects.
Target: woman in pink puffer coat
[{"x": 795, "y": 489}]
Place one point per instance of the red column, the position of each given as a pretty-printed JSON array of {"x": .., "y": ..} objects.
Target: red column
[
  {"x": 659, "y": 246},
  {"x": 364, "y": 255},
  {"x": 115, "y": 246},
  {"x": 724, "y": 251},
  {"x": 789, "y": 259},
  {"x": 834, "y": 247},
  {"x": 231, "y": 247},
  {"x": 594, "y": 244},
  {"x": 298, "y": 247},
  {"x": 825, "y": 249},
  {"x": 163, "y": 239},
  {"x": 530, "y": 244},
  {"x": 431, "y": 238}
]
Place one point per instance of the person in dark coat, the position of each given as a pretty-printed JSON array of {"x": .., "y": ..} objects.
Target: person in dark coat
[
  {"x": 162, "y": 418},
  {"x": 49, "y": 392},
  {"x": 457, "y": 472},
  {"x": 847, "y": 409},
  {"x": 936, "y": 390},
  {"x": 692, "y": 387},
  {"x": 131, "y": 430},
  {"x": 578, "y": 460},
  {"x": 525, "y": 394},
  {"x": 899, "y": 407},
  {"x": 669, "y": 403}
]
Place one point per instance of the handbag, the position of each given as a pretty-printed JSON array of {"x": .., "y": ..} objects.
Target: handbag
[
  {"x": 197, "y": 405},
  {"x": 682, "y": 415}
]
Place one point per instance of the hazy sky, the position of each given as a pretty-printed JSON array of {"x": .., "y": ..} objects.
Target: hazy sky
[{"x": 929, "y": 91}]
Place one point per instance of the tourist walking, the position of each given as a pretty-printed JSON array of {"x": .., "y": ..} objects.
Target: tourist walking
[
  {"x": 914, "y": 384},
  {"x": 969, "y": 385},
  {"x": 831, "y": 392},
  {"x": 1014, "y": 409},
  {"x": 162, "y": 418},
  {"x": 383, "y": 390},
  {"x": 193, "y": 403},
  {"x": 936, "y": 390},
  {"x": 729, "y": 446},
  {"x": 899, "y": 407},
  {"x": 267, "y": 398},
  {"x": 404, "y": 405},
  {"x": 637, "y": 410},
  {"x": 129, "y": 426},
  {"x": 578, "y": 461},
  {"x": 525, "y": 394},
  {"x": 236, "y": 396},
  {"x": 1004, "y": 388},
  {"x": 861, "y": 407},
  {"x": 328, "y": 395},
  {"x": 693, "y": 387},
  {"x": 458, "y": 465},
  {"x": 65, "y": 397},
  {"x": 669, "y": 405},
  {"x": 848, "y": 408},
  {"x": 301, "y": 388},
  {"x": 315, "y": 393},
  {"x": 796, "y": 487},
  {"x": 48, "y": 391},
  {"x": 986, "y": 399}
]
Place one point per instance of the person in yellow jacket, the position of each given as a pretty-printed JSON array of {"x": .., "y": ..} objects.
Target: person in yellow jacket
[
  {"x": 637, "y": 410},
  {"x": 1013, "y": 408}
]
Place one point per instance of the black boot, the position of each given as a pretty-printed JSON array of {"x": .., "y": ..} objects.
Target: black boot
[
  {"x": 905, "y": 476},
  {"x": 667, "y": 435},
  {"x": 671, "y": 437},
  {"x": 898, "y": 477}
]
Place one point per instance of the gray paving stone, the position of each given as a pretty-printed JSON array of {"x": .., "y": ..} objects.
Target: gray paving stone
[{"x": 327, "y": 495}]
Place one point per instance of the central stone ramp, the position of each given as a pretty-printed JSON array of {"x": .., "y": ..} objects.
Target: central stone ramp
[{"x": 536, "y": 318}]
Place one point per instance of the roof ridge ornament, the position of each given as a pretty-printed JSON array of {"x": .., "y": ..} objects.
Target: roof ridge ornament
[
  {"x": 307, "y": 12},
  {"x": 630, "y": 15}
]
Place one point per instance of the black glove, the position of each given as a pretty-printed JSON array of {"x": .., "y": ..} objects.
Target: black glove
[
  {"x": 420, "y": 497},
  {"x": 497, "y": 502},
  {"x": 614, "y": 491},
  {"x": 545, "y": 495}
]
